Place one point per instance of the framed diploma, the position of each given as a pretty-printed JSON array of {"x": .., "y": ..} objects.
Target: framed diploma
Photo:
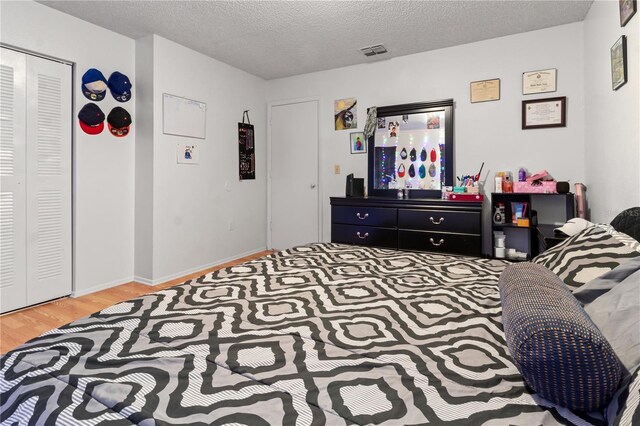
[
  {"x": 542, "y": 81},
  {"x": 619, "y": 63},
  {"x": 544, "y": 113},
  {"x": 485, "y": 90}
]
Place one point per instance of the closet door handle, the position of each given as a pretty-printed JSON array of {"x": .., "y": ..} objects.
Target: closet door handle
[
  {"x": 439, "y": 243},
  {"x": 366, "y": 215},
  {"x": 362, "y": 237},
  {"x": 438, "y": 222}
]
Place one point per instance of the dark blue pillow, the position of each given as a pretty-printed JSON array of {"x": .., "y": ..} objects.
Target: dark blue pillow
[{"x": 554, "y": 344}]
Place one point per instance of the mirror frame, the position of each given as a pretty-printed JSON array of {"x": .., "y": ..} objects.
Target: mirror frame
[{"x": 445, "y": 105}]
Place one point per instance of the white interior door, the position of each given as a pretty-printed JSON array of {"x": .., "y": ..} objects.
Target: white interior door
[
  {"x": 35, "y": 203},
  {"x": 13, "y": 189},
  {"x": 294, "y": 189},
  {"x": 48, "y": 180}
]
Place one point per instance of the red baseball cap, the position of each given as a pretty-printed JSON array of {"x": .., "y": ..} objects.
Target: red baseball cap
[{"x": 91, "y": 119}]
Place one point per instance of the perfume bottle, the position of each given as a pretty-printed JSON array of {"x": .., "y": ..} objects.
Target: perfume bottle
[
  {"x": 522, "y": 174},
  {"x": 507, "y": 184}
]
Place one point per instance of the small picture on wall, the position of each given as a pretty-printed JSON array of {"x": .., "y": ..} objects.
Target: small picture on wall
[
  {"x": 358, "y": 143},
  {"x": 394, "y": 129},
  {"x": 187, "y": 154},
  {"x": 382, "y": 123},
  {"x": 627, "y": 10},
  {"x": 346, "y": 113},
  {"x": 619, "y": 63},
  {"x": 433, "y": 121}
]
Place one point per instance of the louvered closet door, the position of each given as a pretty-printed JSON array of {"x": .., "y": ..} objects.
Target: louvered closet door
[
  {"x": 13, "y": 161},
  {"x": 36, "y": 180},
  {"x": 48, "y": 180}
]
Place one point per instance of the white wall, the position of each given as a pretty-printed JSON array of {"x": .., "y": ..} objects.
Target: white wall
[
  {"x": 612, "y": 119},
  {"x": 489, "y": 132},
  {"x": 144, "y": 159},
  {"x": 194, "y": 204},
  {"x": 104, "y": 165}
]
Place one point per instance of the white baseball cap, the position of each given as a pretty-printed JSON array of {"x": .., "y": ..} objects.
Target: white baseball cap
[{"x": 573, "y": 226}]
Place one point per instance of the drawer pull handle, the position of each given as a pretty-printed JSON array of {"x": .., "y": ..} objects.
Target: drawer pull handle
[
  {"x": 439, "y": 243},
  {"x": 362, "y": 237},
  {"x": 438, "y": 222},
  {"x": 366, "y": 215}
]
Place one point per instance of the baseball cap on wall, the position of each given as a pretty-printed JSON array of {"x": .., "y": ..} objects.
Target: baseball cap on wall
[
  {"x": 120, "y": 86},
  {"x": 119, "y": 121},
  {"x": 91, "y": 119},
  {"x": 94, "y": 85}
]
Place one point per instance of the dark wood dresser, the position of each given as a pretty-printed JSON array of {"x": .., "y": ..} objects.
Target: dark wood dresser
[{"x": 415, "y": 224}]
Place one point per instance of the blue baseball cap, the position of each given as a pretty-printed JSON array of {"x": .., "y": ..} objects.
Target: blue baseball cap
[
  {"x": 120, "y": 86},
  {"x": 94, "y": 85}
]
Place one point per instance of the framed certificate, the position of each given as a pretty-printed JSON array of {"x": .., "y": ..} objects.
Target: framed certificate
[
  {"x": 544, "y": 113},
  {"x": 485, "y": 90},
  {"x": 619, "y": 63},
  {"x": 542, "y": 81}
]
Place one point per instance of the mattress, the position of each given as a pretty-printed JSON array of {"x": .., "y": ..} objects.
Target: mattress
[{"x": 319, "y": 334}]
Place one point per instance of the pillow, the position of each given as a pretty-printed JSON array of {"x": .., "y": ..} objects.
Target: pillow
[
  {"x": 596, "y": 288},
  {"x": 620, "y": 236},
  {"x": 628, "y": 222},
  {"x": 624, "y": 408},
  {"x": 587, "y": 255},
  {"x": 617, "y": 314},
  {"x": 554, "y": 344}
]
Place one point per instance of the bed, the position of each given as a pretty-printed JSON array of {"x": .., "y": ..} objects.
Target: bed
[{"x": 319, "y": 334}]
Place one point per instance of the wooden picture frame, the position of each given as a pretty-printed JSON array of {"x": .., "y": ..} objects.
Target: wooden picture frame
[
  {"x": 619, "y": 63},
  {"x": 485, "y": 90},
  {"x": 627, "y": 10},
  {"x": 544, "y": 113},
  {"x": 541, "y": 81}
]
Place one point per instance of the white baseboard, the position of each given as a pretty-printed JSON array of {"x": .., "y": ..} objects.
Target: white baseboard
[
  {"x": 104, "y": 286},
  {"x": 142, "y": 280},
  {"x": 147, "y": 281},
  {"x": 189, "y": 271}
]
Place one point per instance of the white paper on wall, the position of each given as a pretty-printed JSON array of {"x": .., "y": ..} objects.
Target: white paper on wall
[
  {"x": 187, "y": 153},
  {"x": 183, "y": 117}
]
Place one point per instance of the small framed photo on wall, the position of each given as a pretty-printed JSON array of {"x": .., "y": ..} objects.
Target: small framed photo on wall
[
  {"x": 358, "y": 143},
  {"x": 627, "y": 10},
  {"x": 619, "y": 63}
]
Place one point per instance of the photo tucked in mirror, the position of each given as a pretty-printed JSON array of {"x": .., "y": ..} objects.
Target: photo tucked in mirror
[{"x": 410, "y": 151}]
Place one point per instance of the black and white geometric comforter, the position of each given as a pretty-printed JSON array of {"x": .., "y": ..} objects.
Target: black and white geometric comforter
[{"x": 319, "y": 334}]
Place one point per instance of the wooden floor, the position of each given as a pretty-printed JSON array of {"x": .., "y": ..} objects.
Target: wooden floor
[{"x": 19, "y": 326}]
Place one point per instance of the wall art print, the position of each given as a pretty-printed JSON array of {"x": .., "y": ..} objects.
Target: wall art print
[{"x": 345, "y": 113}]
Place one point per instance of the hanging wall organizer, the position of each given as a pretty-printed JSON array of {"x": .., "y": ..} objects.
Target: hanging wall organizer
[{"x": 247, "y": 159}]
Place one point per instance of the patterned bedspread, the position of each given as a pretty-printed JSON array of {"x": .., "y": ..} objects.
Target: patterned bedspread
[{"x": 320, "y": 334}]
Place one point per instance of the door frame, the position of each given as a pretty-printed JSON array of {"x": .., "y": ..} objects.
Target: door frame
[
  {"x": 319, "y": 184},
  {"x": 72, "y": 64}
]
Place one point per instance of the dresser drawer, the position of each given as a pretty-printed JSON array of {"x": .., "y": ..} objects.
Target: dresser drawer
[
  {"x": 370, "y": 216},
  {"x": 440, "y": 242},
  {"x": 440, "y": 221},
  {"x": 364, "y": 235}
]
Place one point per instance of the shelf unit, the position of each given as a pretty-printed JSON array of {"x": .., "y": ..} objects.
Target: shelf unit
[{"x": 545, "y": 211}]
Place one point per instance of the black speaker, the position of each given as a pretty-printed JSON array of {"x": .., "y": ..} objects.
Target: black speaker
[
  {"x": 355, "y": 186},
  {"x": 562, "y": 187}
]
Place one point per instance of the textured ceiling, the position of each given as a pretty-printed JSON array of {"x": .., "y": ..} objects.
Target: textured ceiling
[{"x": 273, "y": 39}]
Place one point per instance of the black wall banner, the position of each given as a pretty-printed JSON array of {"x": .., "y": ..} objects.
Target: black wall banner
[{"x": 247, "y": 162}]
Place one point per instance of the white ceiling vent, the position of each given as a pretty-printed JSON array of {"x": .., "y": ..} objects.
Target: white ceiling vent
[{"x": 378, "y": 49}]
